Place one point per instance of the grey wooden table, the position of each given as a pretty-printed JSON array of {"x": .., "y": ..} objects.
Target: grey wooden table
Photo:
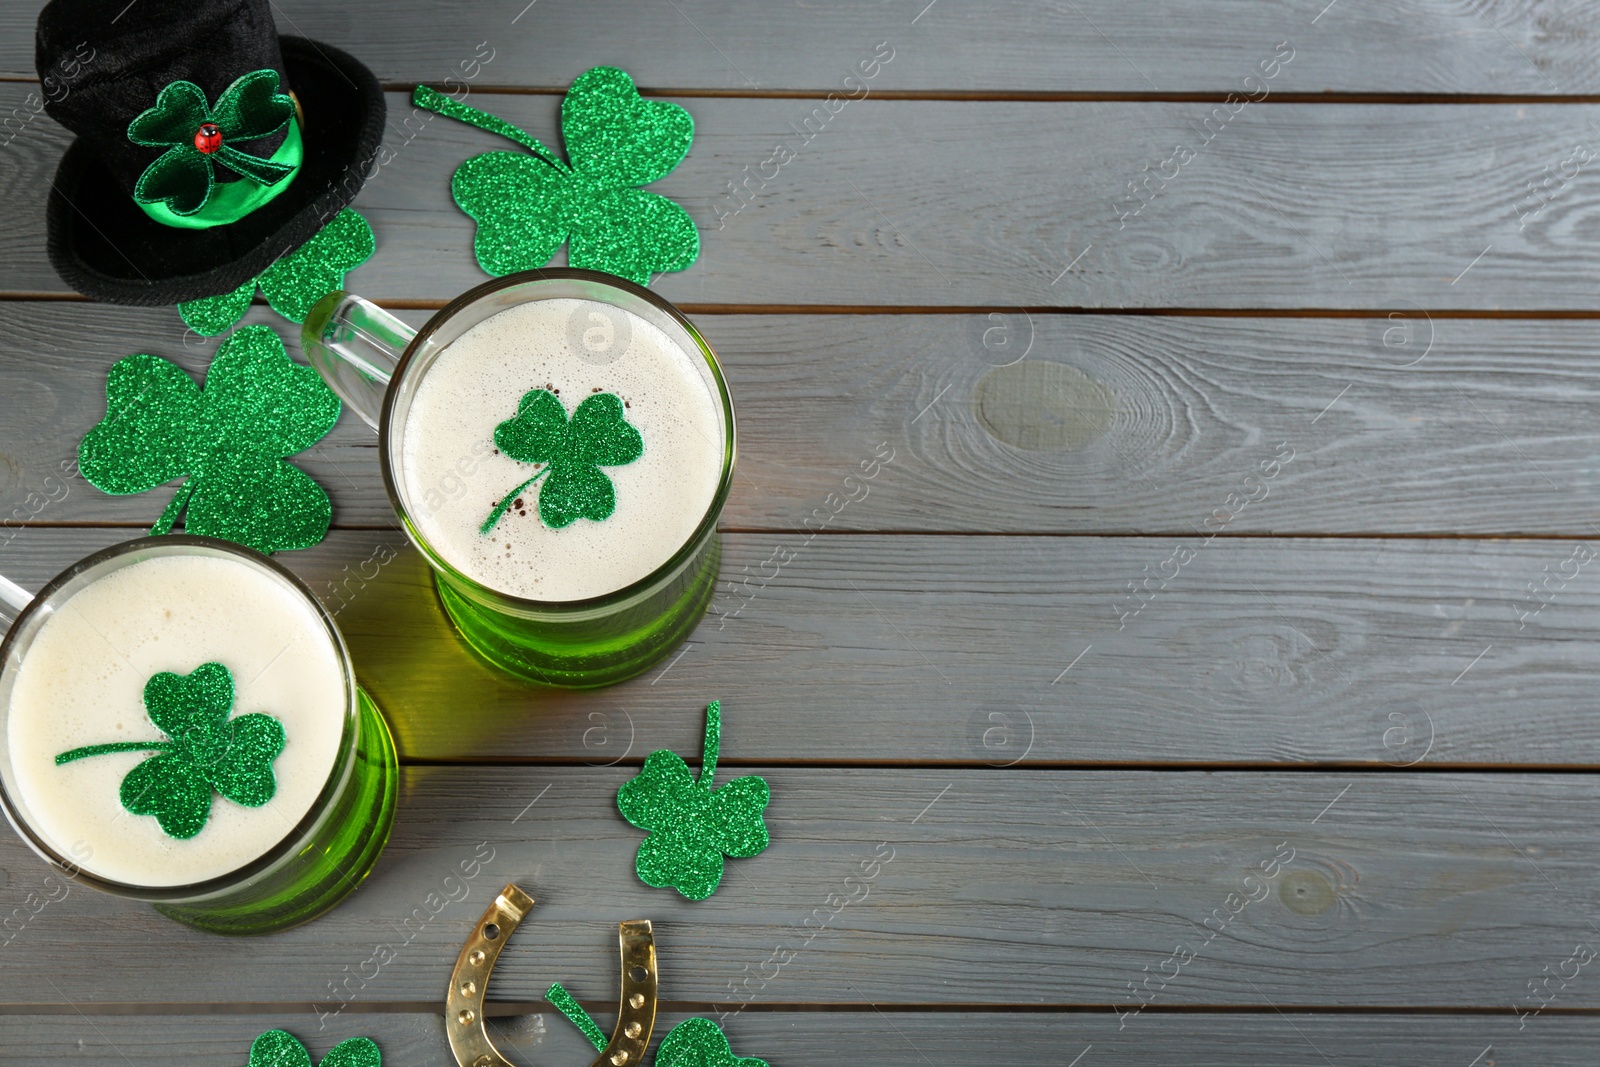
[{"x": 1235, "y": 366}]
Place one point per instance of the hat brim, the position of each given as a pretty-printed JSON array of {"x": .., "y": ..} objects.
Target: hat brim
[{"x": 104, "y": 246}]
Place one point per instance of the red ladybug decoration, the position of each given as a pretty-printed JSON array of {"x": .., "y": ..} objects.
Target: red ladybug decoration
[{"x": 208, "y": 138}]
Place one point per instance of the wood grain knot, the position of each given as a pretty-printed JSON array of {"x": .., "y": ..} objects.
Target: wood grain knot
[
  {"x": 1306, "y": 892},
  {"x": 1043, "y": 406},
  {"x": 10, "y": 473}
]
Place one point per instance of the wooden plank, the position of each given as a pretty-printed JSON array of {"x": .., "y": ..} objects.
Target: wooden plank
[
  {"x": 997, "y": 651},
  {"x": 1409, "y": 46},
  {"x": 849, "y": 1039},
  {"x": 1029, "y": 887},
  {"x": 53, "y": 381},
  {"x": 1112, "y": 424},
  {"x": 1291, "y": 206}
]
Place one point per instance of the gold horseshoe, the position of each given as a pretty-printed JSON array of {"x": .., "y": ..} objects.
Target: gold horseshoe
[{"x": 469, "y": 982}]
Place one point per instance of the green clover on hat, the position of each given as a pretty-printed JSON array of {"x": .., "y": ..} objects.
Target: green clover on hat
[{"x": 199, "y": 135}]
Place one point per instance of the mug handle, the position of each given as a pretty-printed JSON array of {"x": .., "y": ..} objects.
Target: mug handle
[
  {"x": 13, "y": 598},
  {"x": 355, "y": 345}
]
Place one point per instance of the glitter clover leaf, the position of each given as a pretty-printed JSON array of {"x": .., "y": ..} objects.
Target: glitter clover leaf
[
  {"x": 278, "y": 1048},
  {"x": 599, "y": 435},
  {"x": 230, "y": 442},
  {"x": 295, "y": 282},
  {"x": 197, "y": 136},
  {"x": 205, "y": 750},
  {"x": 527, "y": 206},
  {"x": 700, "y": 1043},
  {"x": 690, "y": 824},
  {"x": 692, "y": 1043}
]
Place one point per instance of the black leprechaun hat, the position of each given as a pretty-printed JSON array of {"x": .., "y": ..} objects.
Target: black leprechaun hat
[{"x": 208, "y": 146}]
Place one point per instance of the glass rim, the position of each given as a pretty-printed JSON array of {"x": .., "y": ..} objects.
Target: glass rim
[
  {"x": 320, "y": 807},
  {"x": 684, "y": 553}
]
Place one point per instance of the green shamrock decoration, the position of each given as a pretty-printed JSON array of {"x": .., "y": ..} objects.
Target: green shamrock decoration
[
  {"x": 230, "y": 440},
  {"x": 278, "y": 1048},
  {"x": 295, "y": 282},
  {"x": 599, "y": 435},
  {"x": 527, "y": 206},
  {"x": 184, "y": 176},
  {"x": 700, "y": 1043},
  {"x": 691, "y": 824},
  {"x": 692, "y": 1043},
  {"x": 205, "y": 751}
]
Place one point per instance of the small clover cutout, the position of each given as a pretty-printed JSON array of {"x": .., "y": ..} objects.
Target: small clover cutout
[
  {"x": 205, "y": 750},
  {"x": 692, "y": 1043},
  {"x": 295, "y": 282},
  {"x": 229, "y": 440},
  {"x": 700, "y": 1043},
  {"x": 197, "y": 136},
  {"x": 691, "y": 825},
  {"x": 278, "y": 1048},
  {"x": 598, "y": 435},
  {"x": 527, "y": 206}
]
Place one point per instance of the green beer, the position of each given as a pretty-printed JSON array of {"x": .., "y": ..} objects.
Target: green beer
[
  {"x": 558, "y": 445},
  {"x": 181, "y": 725}
]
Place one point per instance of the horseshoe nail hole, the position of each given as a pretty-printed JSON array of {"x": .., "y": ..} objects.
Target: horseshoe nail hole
[
  {"x": 491, "y": 931},
  {"x": 1306, "y": 892},
  {"x": 632, "y": 1030},
  {"x": 483, "y": 1061},
  {"x": 475, "y": 957},
  {"x": 637, "y": 973},
  {"x": 468, "y": 988},
  {"x": 1043, "y": 406},
  {"x": 466, "y": 1017},
  {"x": 636, "y": 1000},
  {"x": 619, "y": 1057}
]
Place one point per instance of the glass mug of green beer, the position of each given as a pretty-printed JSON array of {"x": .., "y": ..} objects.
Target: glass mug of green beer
[
  {"x": 558, "y": 445},
  {"x": 181, "y": 725}
]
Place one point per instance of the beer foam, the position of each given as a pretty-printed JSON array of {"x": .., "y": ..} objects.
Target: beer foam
[
  {"x": 452, "y": 476},
  {"x": 81, "y": 682}
]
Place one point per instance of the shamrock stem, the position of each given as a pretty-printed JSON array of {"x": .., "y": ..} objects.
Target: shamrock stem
[
  {"x": 170, "y": 515},
  {"x": 500, "y": 508},
  {"x": 435, "y": 101},
  {"x": 708, "y": 756},
  {"x": 569, "y": 1006},
  {"x": 115, "y": 746}
]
